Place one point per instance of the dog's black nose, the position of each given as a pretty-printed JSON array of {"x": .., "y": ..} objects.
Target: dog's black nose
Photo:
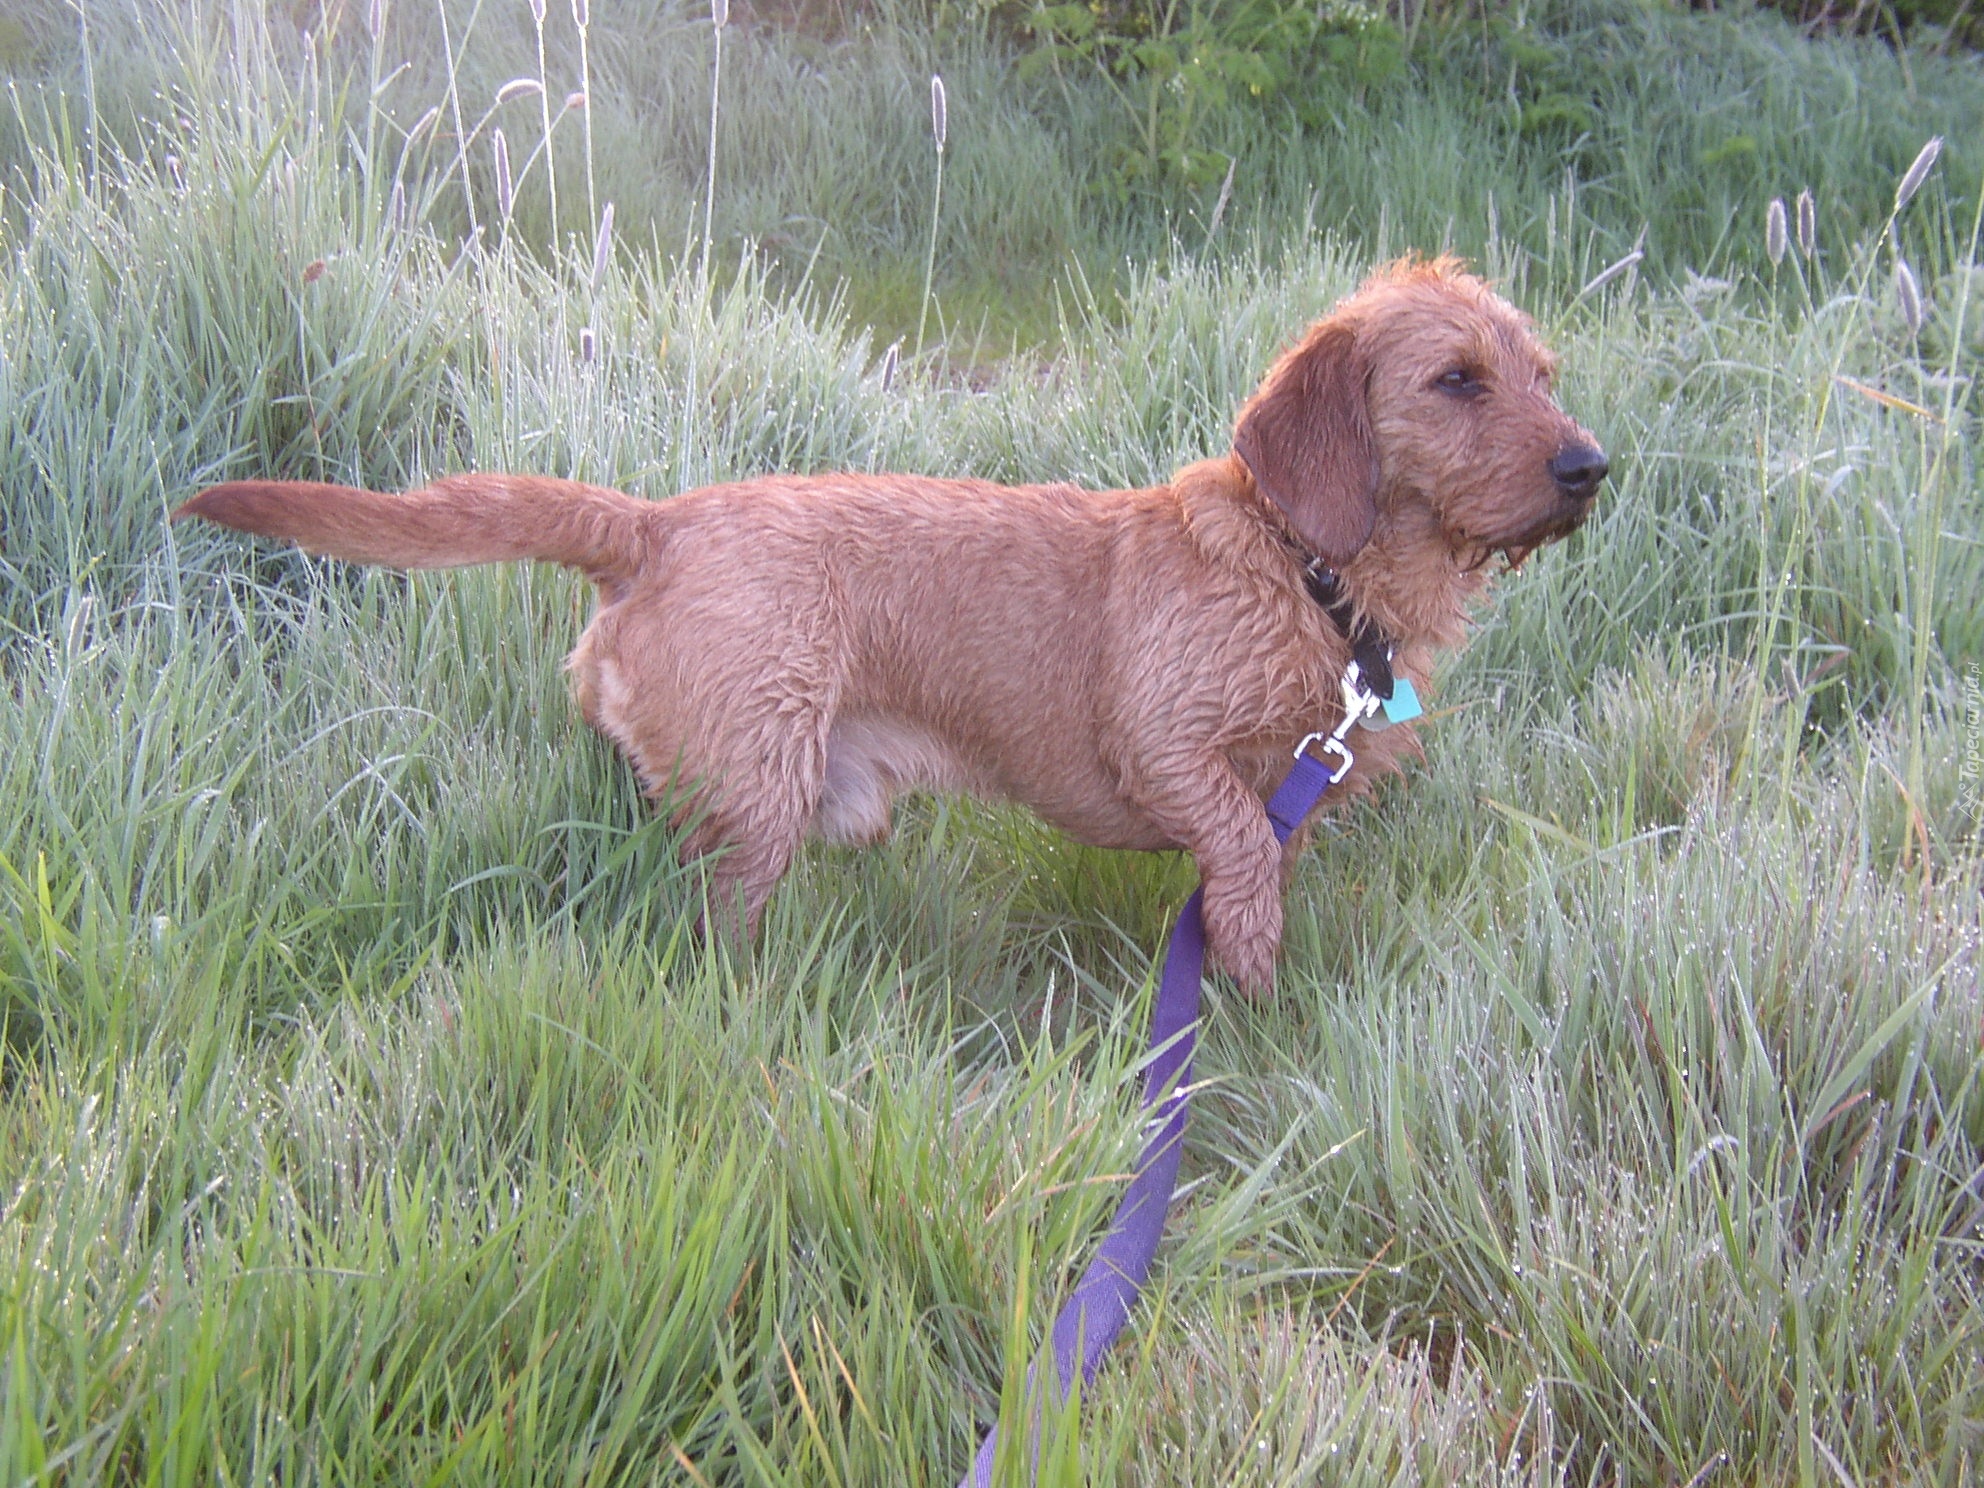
[{"x": 1579, "y": 468}]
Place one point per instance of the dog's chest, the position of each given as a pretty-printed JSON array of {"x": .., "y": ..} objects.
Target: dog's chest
[{"x": 1300, "y": 702}]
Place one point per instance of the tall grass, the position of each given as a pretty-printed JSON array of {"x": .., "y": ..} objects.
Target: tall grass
[
  {"x": 370, "y": 1113},
  {"x": 1565, "y": 135}
]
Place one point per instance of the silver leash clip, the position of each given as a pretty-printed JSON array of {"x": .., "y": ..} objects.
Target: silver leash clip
[{"x": 1359, "y": 703}]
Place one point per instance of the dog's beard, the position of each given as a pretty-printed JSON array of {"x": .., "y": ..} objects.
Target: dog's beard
[{"x": 1516, "y": 550}]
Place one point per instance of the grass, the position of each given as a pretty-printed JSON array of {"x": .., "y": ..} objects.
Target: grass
[
  {"x": 369, "y": 1113},
  {"x": 1581, "y": 129}
]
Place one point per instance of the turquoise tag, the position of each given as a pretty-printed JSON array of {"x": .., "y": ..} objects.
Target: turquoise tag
[{"x": 1403, "y": 704}]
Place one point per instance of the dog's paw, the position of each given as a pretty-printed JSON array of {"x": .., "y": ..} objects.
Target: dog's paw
[{"x": 1249, "y": 959}]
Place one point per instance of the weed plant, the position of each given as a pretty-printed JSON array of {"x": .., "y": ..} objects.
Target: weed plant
[{"x": 371, "y": 1115}]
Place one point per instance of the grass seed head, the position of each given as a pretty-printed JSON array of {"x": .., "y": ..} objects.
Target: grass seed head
[
  {"x": 1776, "y": 231},
  {"x": 1918, "y": 172},
  {"x": 505, "y": 187},
  {"x": 1808, "y": 224},
  {"x": 602, "y": 244},
  {"x": 1909, "y": 293},
  {"x": 1611, "y": 271},
  {"x": 940, "y": 114}
]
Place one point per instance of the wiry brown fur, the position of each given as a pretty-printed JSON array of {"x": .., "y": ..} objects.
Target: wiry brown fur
[{"x": 1135, "y": 666}]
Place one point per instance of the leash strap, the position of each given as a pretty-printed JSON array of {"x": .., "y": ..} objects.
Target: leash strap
[{"x": 1092, "y": 1317}]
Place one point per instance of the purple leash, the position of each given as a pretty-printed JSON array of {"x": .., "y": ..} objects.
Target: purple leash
[{"x": 1092, "y": 1317}]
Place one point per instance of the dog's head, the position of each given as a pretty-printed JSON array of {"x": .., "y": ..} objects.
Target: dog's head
[{"x": 1422, "y": 387}]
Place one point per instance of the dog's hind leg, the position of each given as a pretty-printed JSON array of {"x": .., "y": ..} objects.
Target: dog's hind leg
[
  {"x": 751, "y": 815},
  {"x": 745, "y": 867},
  {"x": 737, "y": 764}
]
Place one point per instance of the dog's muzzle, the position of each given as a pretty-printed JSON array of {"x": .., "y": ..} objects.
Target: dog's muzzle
[{"x": 1579, "y": 470}]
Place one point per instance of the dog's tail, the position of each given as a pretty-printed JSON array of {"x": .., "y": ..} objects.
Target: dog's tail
[{"x": 456, "y": 521}]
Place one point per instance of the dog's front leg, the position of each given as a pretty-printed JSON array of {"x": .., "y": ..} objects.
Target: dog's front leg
[{"x": 1220, "y": 822}]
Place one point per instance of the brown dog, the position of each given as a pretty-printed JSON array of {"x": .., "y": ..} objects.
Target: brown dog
[{"x": 1136, "y": 666}]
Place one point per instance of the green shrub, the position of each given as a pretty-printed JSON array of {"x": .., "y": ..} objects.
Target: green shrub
[
  {"x": 1177, "y": 69},
  {"x": 1948, "y": 21}
]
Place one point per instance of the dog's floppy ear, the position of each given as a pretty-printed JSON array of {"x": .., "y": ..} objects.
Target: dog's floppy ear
[{"x": 1306, "y": 436}]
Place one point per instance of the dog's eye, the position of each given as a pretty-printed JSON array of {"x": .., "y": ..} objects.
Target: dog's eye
[{"x": 1461, "y": 383}]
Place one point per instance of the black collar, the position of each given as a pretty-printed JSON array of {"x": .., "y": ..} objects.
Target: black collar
[{"x": 1369, "y": 645}]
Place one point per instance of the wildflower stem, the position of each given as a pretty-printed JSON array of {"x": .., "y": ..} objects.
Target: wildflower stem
[
  {"x": 719, "y": 13},
  {"x": 582, "y": 16},
  {"x": 544, "y": 115},
  {"x": 461, "y": 132},
  {"x": 940, "y": 130}
]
